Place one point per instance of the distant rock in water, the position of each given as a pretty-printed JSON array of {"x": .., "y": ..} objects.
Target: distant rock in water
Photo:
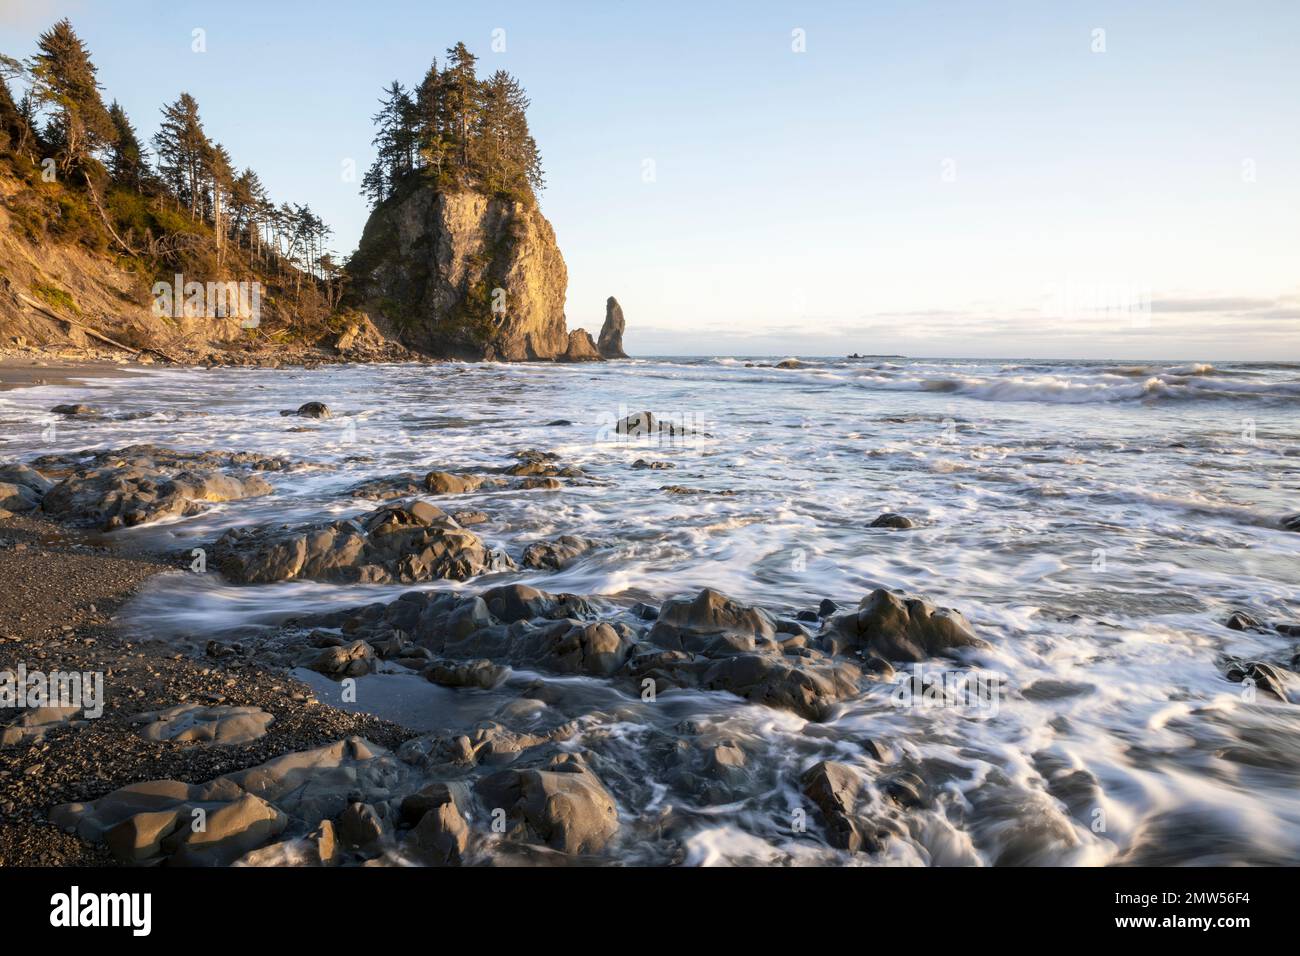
[
  {"x": 464, "y": 275},
  {"x": 581, "y": 347},
  {"x": 611, "y": 333}
]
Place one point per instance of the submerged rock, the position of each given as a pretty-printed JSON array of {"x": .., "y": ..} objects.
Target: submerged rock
[
  {"x": 892, "y": 519},
  {"x": 310, "y": 410}
]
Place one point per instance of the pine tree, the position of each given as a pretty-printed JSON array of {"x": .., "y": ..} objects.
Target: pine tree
[
  {"x": 64, "y": 82},
  {"x": 126, "y": 163},
  {"x": 395, "y": 143},
  {"x": 183, "y": 152},
  {"x": 15, "y": 129},
  {"x": 463, "y": 102}
]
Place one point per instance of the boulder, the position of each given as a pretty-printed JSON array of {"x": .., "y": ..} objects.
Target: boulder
[
  {"x": 834, "y": 788},
  {"x": 891, "y": 519},
  {"x": 407, "y": 543},
  {"x": 556, "y": 554},
  {"x": 112, "y": 498},
  {"x": 564, "y": 806},
  {"x": 899, "y": 628},
  {"x": 712, "y": 623}
]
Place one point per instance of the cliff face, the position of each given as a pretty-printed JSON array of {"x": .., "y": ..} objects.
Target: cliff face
[{"x": 463, "y": 275}]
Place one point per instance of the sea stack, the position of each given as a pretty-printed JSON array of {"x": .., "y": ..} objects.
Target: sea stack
[{"x": 611, "y": 333}]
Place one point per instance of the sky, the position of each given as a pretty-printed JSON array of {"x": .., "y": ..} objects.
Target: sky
[{"x": 1010, "y": 179}]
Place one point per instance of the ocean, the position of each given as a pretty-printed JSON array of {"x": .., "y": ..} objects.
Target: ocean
[{"x": 1096, "y": 523}]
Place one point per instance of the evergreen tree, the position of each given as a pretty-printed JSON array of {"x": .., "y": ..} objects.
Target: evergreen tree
[
  {"x": 395, "y": 142},
  {"x": 126, "y": 163},
  {"x": 463, "y": 100},
  {"x": 64, "y": 82},
  {"x": 15, "y": 128},
  {"x": 183, "y": 152}
]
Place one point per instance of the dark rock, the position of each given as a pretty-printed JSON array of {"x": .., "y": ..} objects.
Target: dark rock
[
  {"x": 891, "y": 519},
  {"x": 712, "y": 623},
  {"x": 311, "y": 410},
  {"x": 481, "y": 673},
  {"x": 899, "y": 629},
  {"x": 834, "y": 788},
  {"x": 1241, "y": 621},
  {"x": 360, "y": 826},
  {"x": 554, "y": 555},
  {"x": 417, "y": 542},
  {"x": 611, "y": 333}
]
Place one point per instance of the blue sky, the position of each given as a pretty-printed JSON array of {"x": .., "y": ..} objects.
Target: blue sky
[{"x": 925, "y": 178}]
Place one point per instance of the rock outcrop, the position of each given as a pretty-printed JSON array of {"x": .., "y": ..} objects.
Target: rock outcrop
[
  {"x": 611, "y": 333},
  {"x": 467, "y": 276}
]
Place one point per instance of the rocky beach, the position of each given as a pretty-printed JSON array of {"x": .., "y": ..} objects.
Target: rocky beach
[{"x": 608, "y": 614}]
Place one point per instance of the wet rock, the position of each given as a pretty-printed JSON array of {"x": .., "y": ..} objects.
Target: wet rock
[
  {"x": 1269, "y": 678},
  {"x": 905, "y": 789},
  {"x": 76, "y": 411},
  {"x": 320, "y": 847},
  {"x": 481, "y": 673},
  {"x": 360, "y": 827},
  {"x": 1241, "y": 621},
  {"x": 827, "y": 608},
  {"x": 1291, "y": 522},
  {"x": 445, "y": 483},
  {"x": 354, "y": 660},
  {"x": 899, "y": 628},
  {"x": 808, "y": 687},
  {"x": 834, "y": 788},
  {"x": 542, "y": 484},
  {"x": 554, "y": 555},
  {"x": 414, "y": 542},
  {"x": 441, "y": 836},
  {"x": 644, "y": 424},
  {"x": 712, "y": 623},
  {"x": 642, "y": 463},
  {"x": 788, "y": 363},
  {"x": 564, "y": 807},
  {"x": 195, "y": 723},
  {"x": 467, "y": 518},
  {"x": 891, "y": 519},
  {"x": 310, "y": 410},
  {"x": 113, "y": 497}
]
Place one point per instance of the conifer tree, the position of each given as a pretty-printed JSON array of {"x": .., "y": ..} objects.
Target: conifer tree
[
  {"x": 126, "y": 163},
  {"x": 64, "y": 83}
]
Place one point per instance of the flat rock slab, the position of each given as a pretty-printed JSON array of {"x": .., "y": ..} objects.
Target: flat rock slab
[{"x": 195, "y": 723}]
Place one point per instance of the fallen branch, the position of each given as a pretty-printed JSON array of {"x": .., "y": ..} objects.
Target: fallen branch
[{"x": 28, "y": 300}]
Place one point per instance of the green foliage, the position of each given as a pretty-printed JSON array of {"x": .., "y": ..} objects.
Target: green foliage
[
  {"x": 56, "y": 297},
  {"x": 456, "y": 132}
]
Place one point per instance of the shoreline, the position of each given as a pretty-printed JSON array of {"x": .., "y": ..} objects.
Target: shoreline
[{"x": 59, "y": 599}]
